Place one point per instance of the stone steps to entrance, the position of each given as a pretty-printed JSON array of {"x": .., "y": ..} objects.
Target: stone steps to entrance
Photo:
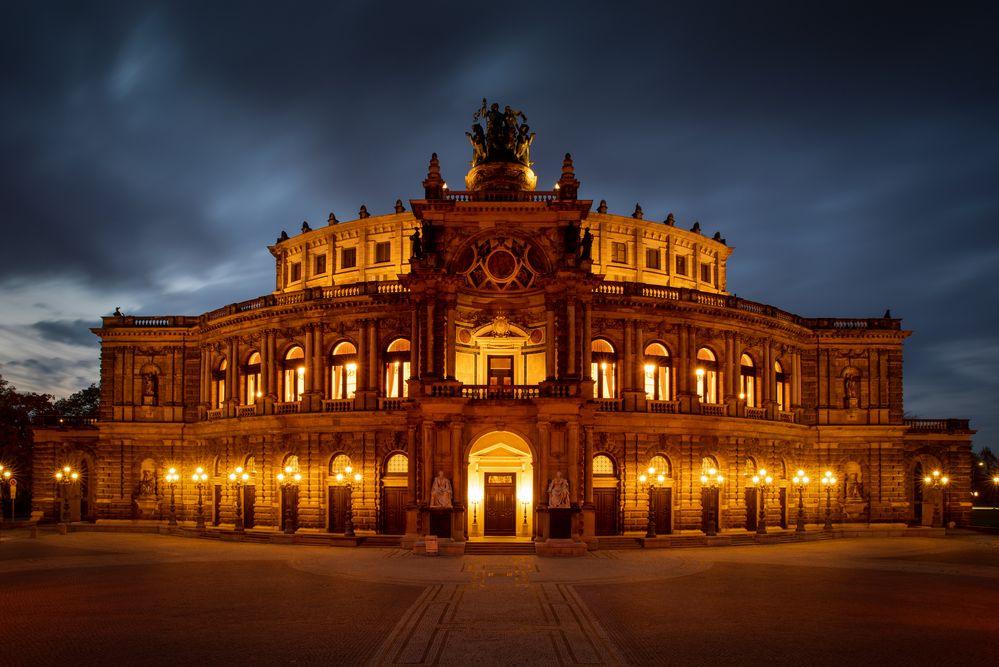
[
  {"x": 619, "y": 542},
  {"x": 382, "y": 541},
  {"x": 499, "y": 549}
]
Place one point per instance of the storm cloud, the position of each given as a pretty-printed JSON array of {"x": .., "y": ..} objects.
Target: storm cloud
[{"x": 848, "y": 151}]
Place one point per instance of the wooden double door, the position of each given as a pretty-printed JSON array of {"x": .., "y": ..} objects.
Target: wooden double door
[
  {"x": 394, "y": 510},
  {"x": 499, "y": 507},
  {"x": 606, "y": 509}
]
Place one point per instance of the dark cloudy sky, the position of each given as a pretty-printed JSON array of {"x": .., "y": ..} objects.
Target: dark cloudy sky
[{"x": 849, "y": 151}]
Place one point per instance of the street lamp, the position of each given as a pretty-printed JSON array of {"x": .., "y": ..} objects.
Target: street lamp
[
  {"x": 64, "y": 478},
  {"x": 475, "y": 497},
  {"x": 938, "y": 483},
  {"x": 829, "y": 482},
  {"x": 348, "y": 523},
  {"x": 289, "y": 480},
  {"x": 237, "y": 478},
  {"x": 762, "y": 481},
  {"x": 172, "y": 477},
  {"x": 524, "y": 500},
  {"x": 652, "y": 479},
  {"x": 711, "y": 482},
  {"x": 800, "y": 481},
  {"x": 200, "y": 479},
  {"x": 7, "y": 477}
]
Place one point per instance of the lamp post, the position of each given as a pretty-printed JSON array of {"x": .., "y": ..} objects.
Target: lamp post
[
  {"x": 348, "y": 482},
  {"x": 237, "y": 478},
  {"x": 829, "y": 482},
  {"x": 938, "y": 483},
  {"x": 800, "y": 481},
  {"x": 711, "y": 482},
  {"x": 524, "y": 500},
  {"x": 200, "y": 479},
  {"x": 762, "y": 481},
  {"x": 172, "y": 477},
  {"x": 7, "y": 477},
  {"x": 289, "y": 480},
  {"x": 651, "y": 479},
  {"x": 475, "y": 497},
  {"x": 64, "y": 478}
]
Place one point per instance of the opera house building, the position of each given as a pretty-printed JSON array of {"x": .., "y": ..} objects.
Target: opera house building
[{"x": 494, "y": 360}]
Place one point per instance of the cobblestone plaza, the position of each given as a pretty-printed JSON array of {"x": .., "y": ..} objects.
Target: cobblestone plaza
[{"x": 109, "y": 598}]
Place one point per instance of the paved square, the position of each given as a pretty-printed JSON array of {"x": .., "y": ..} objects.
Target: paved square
[{"x": 100, "y": 598}]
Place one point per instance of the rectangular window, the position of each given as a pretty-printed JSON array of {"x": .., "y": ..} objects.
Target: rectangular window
[
  {"x": 348, "y": 258},
  {"x": 652, "y": 258},
  {"x": 681, "y": 265},
  {"x": 296, "y": 271},
  {"x": 383, "y": 252},
  {"x": 619, "y": 252},
  {"x": 320, "y": 265},
  {"x": 706, "y": 273}
]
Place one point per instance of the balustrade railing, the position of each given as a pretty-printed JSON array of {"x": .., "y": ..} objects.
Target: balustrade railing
[
  {"x": 216, "y": 414},
  {"x": 663, "y": 407},
  {"x": 338, "y": 405},
  {"x": 246, "y": 411},
  {"x": 937, "y": 425},
  {"x": 288, "y": 408},
  {"x": 756, "y": 413},
  {"x": 713, "y": 409},
  {"x": 510, "y": 392},
  {"x": 390, "y": 403},
  {"x": 785, "y": 416},
  {"x": 608, "y": 404}
]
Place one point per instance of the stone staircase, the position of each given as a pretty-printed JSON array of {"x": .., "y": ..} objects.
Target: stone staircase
[
  {"x": 382, "y": 541},
  {"x": 619, "y": 542},
  {"x": 499, "y": 549}
]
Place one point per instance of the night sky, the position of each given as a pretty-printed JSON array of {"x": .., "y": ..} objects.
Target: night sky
[{"x": 848, "y": 151}]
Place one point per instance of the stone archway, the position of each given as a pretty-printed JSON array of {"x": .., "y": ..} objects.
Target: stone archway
[{"x": 500, "y": 486}]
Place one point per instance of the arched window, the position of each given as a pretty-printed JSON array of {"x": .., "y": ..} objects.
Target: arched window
[
  {"x": 398, "y": 464},
  {"x": 340, "y": 465},
  {"x": 747, "y": 381},
  {"x": 397, "y": 369},
  {"x": 706, "y": 372},
  {"x": 603, "y": 465},
  {"x": 251, "y": 380},
  {"x": 660, "y": 464},
  {"x": 658, "y": 385},
  {"x": 604, "y": 368},
  {"x": 290, "y": 464},
  {"x": 709, "y": 463},
  {"x": 783, "y": 388},
  {"x": 343, "y": 371},
  {"x": 293, "y": 375},
  {"x": 218, "y": 385}
]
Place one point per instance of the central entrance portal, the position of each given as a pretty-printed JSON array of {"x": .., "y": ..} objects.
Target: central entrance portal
[
  {"x": 500, "y": 509},
  {"x": 500, "y": 486}
]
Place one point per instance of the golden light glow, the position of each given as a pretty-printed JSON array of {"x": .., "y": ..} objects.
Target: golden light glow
[
  {"x": 661, "y": 478},
  {"x": 699, "y": 372},
  {"x": 357, "y": 477},
  {"x": 288, "y": 469},
  {"x": 280, "y": 477},
  {"x": 652, "y": 470},
  {"x": 642, "y": 479},
  {"x": 828, "y": 479},
  {"x": 339, "y": 477}
]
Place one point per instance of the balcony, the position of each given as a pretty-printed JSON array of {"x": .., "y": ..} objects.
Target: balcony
[{"x": 517, "y": 392}]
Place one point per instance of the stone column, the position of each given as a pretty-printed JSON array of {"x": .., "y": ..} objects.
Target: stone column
[
  {"x": 459, "y": 487},
  {"x": 414, "y": 343},
  {"x": 587, "y": 370},
  {"x": 232, "y": 378},
  {"x": 429, "y": 361},
  {"x": 551, "y": 372},
  {"x": 570, "y": 318},
  {"x": 628, "y": 376},
  {"x": 412, "y": 511},
  {"x": 451, "y": 339}
]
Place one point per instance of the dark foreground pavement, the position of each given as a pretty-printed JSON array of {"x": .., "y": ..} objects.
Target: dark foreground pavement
[{"x": 98, "y": 598}]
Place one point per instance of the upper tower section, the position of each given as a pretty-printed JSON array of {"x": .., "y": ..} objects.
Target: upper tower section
[{"x": 501, "y": 153}]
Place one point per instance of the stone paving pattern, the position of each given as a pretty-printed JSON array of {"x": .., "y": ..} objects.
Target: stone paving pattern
[{"x": 100, "y": 598}]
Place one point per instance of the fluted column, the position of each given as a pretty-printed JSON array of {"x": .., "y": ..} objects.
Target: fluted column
[
  {"x": 206, "y": 377},
  {"x": 570, "y": 318},
  {"x": 551, "y": 371},
  {"x": 362, "y": 355},
  {"x": 587, "y": 341},
  {"x": 429, "y": 361},
  {"x": 451, "y": 339},
  {"x": 414, "y": 343},
  {"x": 628, "y": 377},
  {"x": 371, "y": 360}
]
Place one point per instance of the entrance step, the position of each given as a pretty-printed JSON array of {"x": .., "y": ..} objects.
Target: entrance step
[
  {"x": 382, "y": 541},
  {"x": 618, "y": 542},
  {"x": 499, "y": 549}
]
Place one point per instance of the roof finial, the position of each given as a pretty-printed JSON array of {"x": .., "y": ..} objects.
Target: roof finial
[
  {"x": 670, "y": 220},
  {"x": 433, "y": 185},
  {"x": 399, "y": 208},
  {"x": 363, "y": 213},
  {"x": 602, "y": 206},
  {"x": 332, "y": 219},
  {"x": 638, "y": 214}
]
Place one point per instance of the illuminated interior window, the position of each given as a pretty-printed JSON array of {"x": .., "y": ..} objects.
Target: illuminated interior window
[
  {"x": 706, "y": 372},
  {"x": 397, "y": 464},
  {"x": 293, "y": 375},
  {"x": 747, "y": 381},
  {"x": 339, "y": 465},
  {"x": 603, "y": 465},
  {"x": 397, "y": 369},
  {"x": 661, "y": 466},
  {"x": 604, "y": 368},
  {"x": 251, "y": 380},
  {"x": 783, "y": 388},
  {"x": 218, "y": 385},
  {"x": 343, "y": 371},
  {"x": 656, "y": 370}
]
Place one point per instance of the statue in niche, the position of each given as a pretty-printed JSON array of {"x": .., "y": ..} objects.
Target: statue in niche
[
  {"x": 417, "y": 244},
  {"x": 854, "y": 487},
  {"x": 558, "y": 492},
  {"x": 440, "y": 492},
  {"x": 150, "y": 388},
  {"x": 147, "y": 485},
  {"x": 851, "y": 387},
  {"x": 587, "y": 244}
]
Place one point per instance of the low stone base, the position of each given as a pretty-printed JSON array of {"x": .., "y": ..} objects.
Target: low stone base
[
  {"x": 445, "y": 547},
  {"x": 560, "y": 548}
]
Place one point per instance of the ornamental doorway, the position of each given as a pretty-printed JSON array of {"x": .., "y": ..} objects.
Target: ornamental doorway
[
  {"x": 500, "y": 486},
  {"x": 499, "y": 507}
]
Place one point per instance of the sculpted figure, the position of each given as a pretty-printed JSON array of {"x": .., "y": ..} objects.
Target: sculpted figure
[
  {"x": 587, "y": 244},
  {"x": 417, "y": 244},
  {"x": 524, "y": 140},
  {"x": 477, "y": 137},
  {"x": 146, "y": 484},
  {"x": 440, "y": 492},
  {"x": 558, "y": 491}
]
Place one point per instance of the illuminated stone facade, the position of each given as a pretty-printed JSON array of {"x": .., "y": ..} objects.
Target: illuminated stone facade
[{"x": 505, "y": 337}]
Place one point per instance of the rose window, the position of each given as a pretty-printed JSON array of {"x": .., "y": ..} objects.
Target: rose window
[{"x": 501, "y": 263}]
